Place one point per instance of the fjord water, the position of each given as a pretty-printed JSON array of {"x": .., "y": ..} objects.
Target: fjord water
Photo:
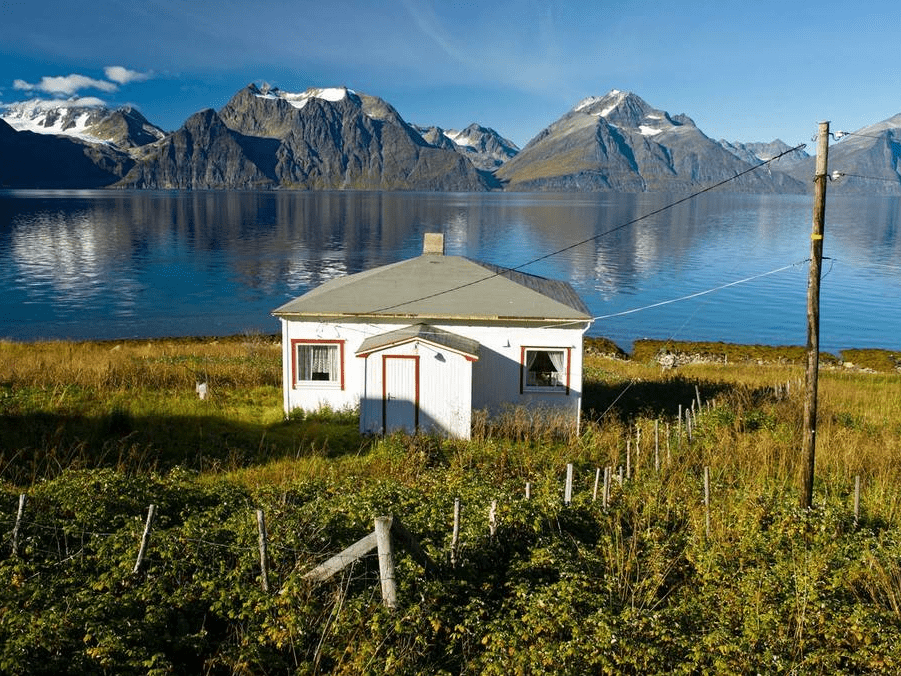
[{"x": 113, "y": 264}]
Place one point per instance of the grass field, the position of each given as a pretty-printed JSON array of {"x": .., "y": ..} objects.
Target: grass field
[{"x": 658, "y": 582}]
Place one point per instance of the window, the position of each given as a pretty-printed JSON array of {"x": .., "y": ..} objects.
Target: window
[
  {"x": 318, "y": 362},
  {"x": 545, "y": 370}
]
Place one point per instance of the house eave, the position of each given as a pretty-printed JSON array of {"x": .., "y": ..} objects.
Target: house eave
[{"x": 320, "y": 316}]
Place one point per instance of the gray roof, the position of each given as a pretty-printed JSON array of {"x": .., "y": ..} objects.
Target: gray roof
[
  {"x": 434, "y": 286},
  {"x": 424, "y": 332}
]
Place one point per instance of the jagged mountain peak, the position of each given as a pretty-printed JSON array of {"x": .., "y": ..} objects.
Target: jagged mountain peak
[
  {"x": 628, "y": 110},
  {"x": 619, "y": 142},
  {"x": 601, "y": 105},
  {"x": 483, "y": 146},
  {"x": 333, "y": 97},
  {"x": 323, "y": 138},
  {"x": 478, "y": 137},
  {"x": 85, "y": 118},
  {"x": 758, "y": 152}
]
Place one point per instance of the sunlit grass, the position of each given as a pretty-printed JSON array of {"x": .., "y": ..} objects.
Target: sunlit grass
[{"x": 135, "y": 401}]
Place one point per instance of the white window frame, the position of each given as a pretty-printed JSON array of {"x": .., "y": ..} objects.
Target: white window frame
[
  {"x": 529, "y": 354},
  {"x": 302, "y": 348}
]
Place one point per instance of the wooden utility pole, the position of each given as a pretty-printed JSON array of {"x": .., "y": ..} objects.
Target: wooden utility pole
[{"x": 813, "y": 315}]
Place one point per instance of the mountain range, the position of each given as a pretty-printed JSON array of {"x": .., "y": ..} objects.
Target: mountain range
[{"x": 337, "y": 138}]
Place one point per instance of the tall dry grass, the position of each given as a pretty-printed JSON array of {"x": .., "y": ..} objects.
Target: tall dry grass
[{"x": 244, "y": 361}]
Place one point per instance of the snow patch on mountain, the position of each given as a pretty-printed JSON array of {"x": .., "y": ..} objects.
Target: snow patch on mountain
[
  {"x": 299, "y": 100},
  {"x": 70, "y": 117},
  {"x": 461, "y": 138},
  {"x": 84, "y": 118}
]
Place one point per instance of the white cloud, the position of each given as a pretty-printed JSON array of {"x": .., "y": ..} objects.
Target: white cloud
[
  {"x": 123, "y": 75},
  {"x": 67, "y": 85}
]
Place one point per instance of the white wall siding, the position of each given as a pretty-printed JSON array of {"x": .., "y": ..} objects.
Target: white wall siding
[
  {"x": 497, "y": 375},
  {"x": 449, "y": 390}
]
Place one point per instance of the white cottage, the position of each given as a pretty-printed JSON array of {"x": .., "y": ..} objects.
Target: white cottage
[{"x": 418, "y": 345}]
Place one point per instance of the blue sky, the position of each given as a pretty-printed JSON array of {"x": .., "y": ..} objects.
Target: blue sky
[{"x": 748, "y": 70}]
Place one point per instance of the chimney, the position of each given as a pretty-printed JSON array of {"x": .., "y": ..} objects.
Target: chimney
[{"x": 433, "y": 243}]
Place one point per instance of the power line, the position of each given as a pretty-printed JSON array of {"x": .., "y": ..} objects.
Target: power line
[
  {"x": 599, "y": 235},
  {"x": 700, "y": 293},
  {"x": 663, "y": 208}
]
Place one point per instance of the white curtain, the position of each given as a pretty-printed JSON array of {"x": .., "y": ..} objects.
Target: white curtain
[
  {"x": 318, "y": 362},
  {"x": 545, "y": 368},
  {"x": 559, "y": 361}
]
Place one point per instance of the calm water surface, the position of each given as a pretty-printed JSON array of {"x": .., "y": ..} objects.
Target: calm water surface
[{"x": 98, "y": 264}]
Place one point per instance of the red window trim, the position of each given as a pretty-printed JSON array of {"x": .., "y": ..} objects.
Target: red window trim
[
  {"x": 305, "y": 341},
  {"x": 522, "y": 367}
]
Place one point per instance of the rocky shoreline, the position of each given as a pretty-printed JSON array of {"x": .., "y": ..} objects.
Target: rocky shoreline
[{"x": 674, "y": 354}]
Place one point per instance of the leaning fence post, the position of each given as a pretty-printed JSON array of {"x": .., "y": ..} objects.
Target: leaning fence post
[
  {"x": 19, "y": 515},
  {"x": 145, "y": 539},
  {"x": 386, "y": 561},
  {"x": 597, "y": 478},
  {"x": 264, "y": 546}
]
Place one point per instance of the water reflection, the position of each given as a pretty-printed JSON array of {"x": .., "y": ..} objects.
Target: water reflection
[{"x": 112, "y": 264}]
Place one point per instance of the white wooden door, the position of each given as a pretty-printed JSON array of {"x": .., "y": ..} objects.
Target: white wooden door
[{"x": 400, "y": 398}]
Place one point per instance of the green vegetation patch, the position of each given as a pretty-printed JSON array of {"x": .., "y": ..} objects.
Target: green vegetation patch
[
  {"x": 881, "y": 361},
  {"x": 648, "y": 350}
]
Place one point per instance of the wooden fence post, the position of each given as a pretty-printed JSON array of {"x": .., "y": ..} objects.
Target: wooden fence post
[
  {"x": 492, "y": 519},
  {"x": 145, "y": 539},
  {"x": 568, "y": 490},
  {"x": 657, "y": 446},
  {"x": 607, "y": 472},
  {"x": 19, "y": 515},
  {"x": 597, "y": 478},
  {"x": 628, "y": 458},
  {"x": 637, "y": 446},
  {"x": 455, "y": 538},
  {"x": 386, "y": 561},
  {"x": 264, "y": 547},
  {"x": 707, "y": 500}
]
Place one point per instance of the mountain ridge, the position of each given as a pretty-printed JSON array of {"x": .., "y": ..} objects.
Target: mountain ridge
[{"x": 337, "y": 138}]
